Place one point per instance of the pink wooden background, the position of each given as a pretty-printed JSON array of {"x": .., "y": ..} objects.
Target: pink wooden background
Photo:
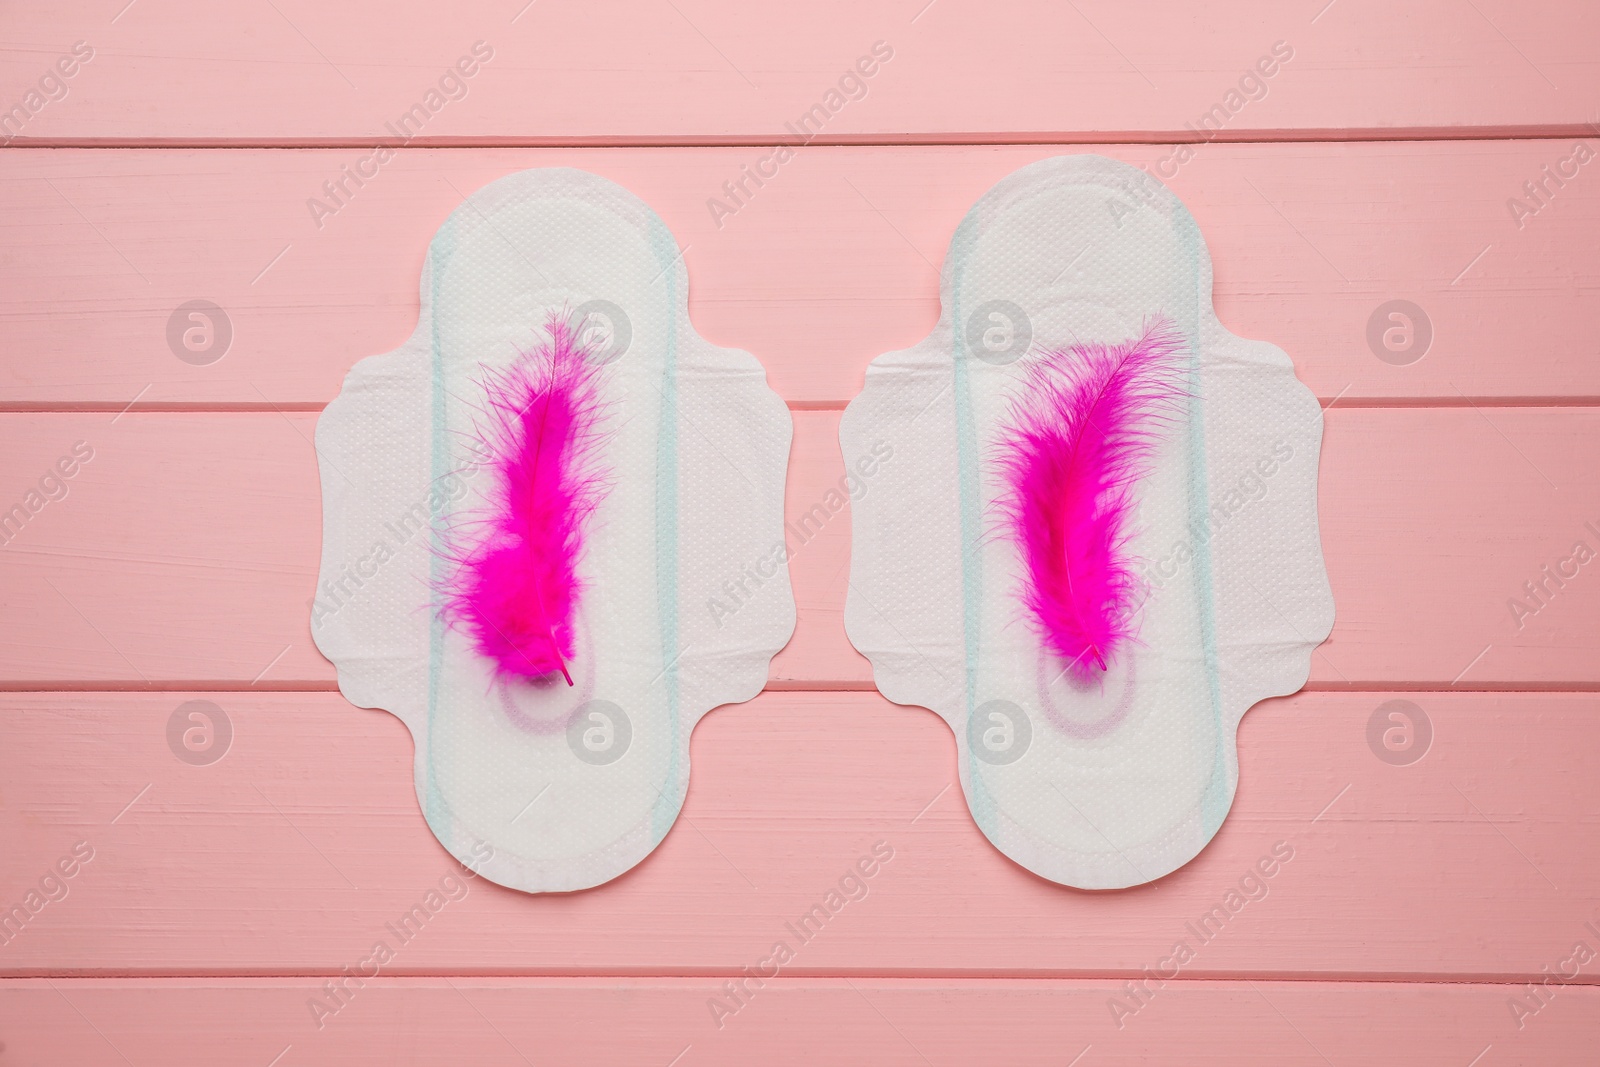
[{"x": 162, "y": 151}]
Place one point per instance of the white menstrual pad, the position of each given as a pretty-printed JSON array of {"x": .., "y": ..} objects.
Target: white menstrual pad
[
  {"x": 1119, "y": 782},
  {"x": 544, "y": 787}
]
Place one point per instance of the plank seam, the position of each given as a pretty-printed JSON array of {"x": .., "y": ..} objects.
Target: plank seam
[
  {"x": 819, "y": 686},
  {"x": 229, "y": 407},
  {"x": 1153, "y": 138},
  {"x": 714, "y": 974}
]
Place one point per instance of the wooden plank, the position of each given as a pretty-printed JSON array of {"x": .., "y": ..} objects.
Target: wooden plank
[
  {"x": 515, "y": 1022},
  {"x": 185, "y": 552},
  {"x": 823, "y": 268},
  {"x": 715, "y": 70},
  {"x": 290, "y": 854}
]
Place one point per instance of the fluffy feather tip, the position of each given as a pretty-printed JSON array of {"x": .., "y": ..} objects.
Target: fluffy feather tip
[
  {"x": 516, "y": 588},
  {"x": 1081, "y": 435}
]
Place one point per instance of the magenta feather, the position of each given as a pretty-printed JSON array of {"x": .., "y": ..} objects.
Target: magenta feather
[
  {"x": 1081, "y": 435},
  {"x": 516, "y": 587}
]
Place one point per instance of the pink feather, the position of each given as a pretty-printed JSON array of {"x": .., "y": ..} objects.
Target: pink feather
[
  {"x": 1080, "y": 437},
  {"x": 515, "y": 589}
]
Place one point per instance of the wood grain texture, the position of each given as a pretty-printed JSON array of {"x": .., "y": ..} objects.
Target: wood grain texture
[
  {"x": 828, "y": 265},
  {"x": 1383, "y": 160},
  {"x": 185, "y": 552},
  {"x": 293, "y": 853},
  {"x": 503, "y": 1022},
  {"x": 715, "y": 70}
]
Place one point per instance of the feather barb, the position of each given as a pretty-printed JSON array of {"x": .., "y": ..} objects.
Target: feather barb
[
  {"x": 1080, "y": 436},
  {"x": 515, "y": 589}
]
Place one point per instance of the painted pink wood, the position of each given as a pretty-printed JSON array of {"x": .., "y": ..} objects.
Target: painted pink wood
[
  {"x": 828, "y": 265},
  {"x": 507, "y": 1022},
  {"x": 714, "y": 69},
  {"x": 290, "y": 855},
  {"x": 185, "y": 552}
]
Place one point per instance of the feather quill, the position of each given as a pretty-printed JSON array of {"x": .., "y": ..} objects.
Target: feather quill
[
  {"x": 1080, "y": 436},
  {"x": 515, "y": 588}
]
